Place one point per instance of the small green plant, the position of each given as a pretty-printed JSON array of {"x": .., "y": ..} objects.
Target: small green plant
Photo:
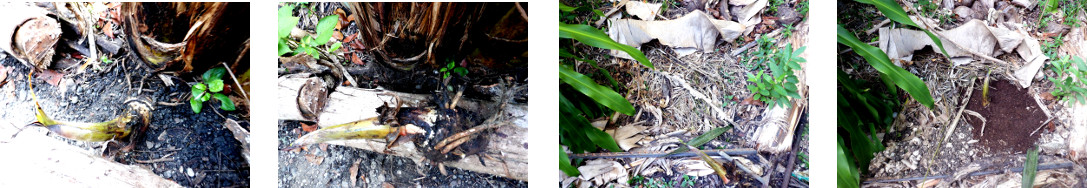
[
  {"x": 210, "y": 88},
  {"x": 452, "y": 67},
  {"x": 802, "y": 7},
  {"x": 774, "y": 4},
  {"x": 776, "y": 88},
  {"x": 1069, "y": 81},
  {"x": 1049, "y": 48},
  {"x": 308, "y": 44},
  {"x": 106, "y": 60},
  {"x": 1030, "y": 168}
]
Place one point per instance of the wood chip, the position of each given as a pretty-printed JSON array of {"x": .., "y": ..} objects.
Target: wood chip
[{"x": 354, "y": 172}]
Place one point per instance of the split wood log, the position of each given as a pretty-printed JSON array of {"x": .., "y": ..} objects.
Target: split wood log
[
  {"x": 37, "y": 160},
  {"x": 505, "y": 156}
]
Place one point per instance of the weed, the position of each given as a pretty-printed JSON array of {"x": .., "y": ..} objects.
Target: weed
[
  {"x": 1069, "y": 82},
  {"x": 210, "y": 87},
  {"x": 452, "y": 67},
  {"x": 775, "y": 88},
  {"x": 308, "y": 44}
]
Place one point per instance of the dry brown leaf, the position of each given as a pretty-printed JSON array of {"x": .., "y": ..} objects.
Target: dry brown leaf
[
  {"x": 355, "y": 59},
  {"x": 354, "y": 171},
  {"x": 316, "y": 160},
  {"x": 627, "y": 136},
  {"x": 337, "y": 35},
  {"x": 387, "y": 185},
  {"x": 350, "y": 38},
  {"x": 308, "y": 127},
  {"x": 51, "y": 77}
]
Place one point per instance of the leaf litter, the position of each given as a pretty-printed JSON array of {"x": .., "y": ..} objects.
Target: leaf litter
[
  {"x": 696, "y": 87},
  {"x": 1012, "y": 48}
]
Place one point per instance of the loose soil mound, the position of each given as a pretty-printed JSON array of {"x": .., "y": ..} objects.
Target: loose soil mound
[{"x": 1011, "y": 115}]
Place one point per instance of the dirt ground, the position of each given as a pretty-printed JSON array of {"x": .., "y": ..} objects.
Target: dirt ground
[
  {"x": 176, "y": 142},
  {"x": 915, "y": 145}
]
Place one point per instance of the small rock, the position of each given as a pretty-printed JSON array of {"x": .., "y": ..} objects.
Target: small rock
[
  {"x": 189, "y": 172},
  {"x": 964, "y": 13}
]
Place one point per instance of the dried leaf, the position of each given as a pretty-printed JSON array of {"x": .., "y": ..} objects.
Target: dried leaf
[
  {"x": 713, "y": 164},
  {"x": 350, "y": 38},
  {"x": 354, "y": 171},
  {"x": 52, "y": 77},
  {"x": 643, "y": 10},
  {"x": 343, "y": 19},
  {"x": 316, "y": 160},
  {"x": 602, "y": 171},
  {"x": 355, "y": 59},
  {"x": 337, "y": 35},
  {"x": 309, "y": 127},
  {"x": 697, "y": 168},
  {"x": 695, "y": 30},
  {"x": 627, "y": 136}
]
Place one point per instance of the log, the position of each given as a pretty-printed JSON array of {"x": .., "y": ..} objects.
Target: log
[
  {"x": 508, "y": 154},
  {"x": 35, "y": 159}
]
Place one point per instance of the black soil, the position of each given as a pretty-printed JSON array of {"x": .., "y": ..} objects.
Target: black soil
[
  {"x": 194, "y": 141},
  {"x": 1011, "y": 115}
]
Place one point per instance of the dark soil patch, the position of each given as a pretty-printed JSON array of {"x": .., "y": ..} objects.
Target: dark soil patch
[
  {"x": 194, "y": 141},
  {"x": 1011, "y": 115}
]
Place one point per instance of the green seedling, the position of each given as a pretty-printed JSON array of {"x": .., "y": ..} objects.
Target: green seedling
[
  {"x": 210, "y": 88},
  {"x": 307, "y": 44},
  {"x": 777, "y": 87},
  {"x": 1069, "y": 83},
  {"x": 452, "y": 67}
]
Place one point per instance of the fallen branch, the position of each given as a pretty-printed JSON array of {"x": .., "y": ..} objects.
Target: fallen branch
[
  {"x": 1045, "y": 166},
  {"x": 349, "y": 104}
]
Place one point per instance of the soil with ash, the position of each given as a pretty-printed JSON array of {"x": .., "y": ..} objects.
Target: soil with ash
[
  {"x": 1010, "y": 117},
  {"x": 176, "y": 142},
  {"x": 324, "y": 165}
]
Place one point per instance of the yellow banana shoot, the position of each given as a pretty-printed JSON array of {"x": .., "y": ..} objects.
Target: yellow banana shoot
[
  {"x": 91, "y": 132},
  {"x": 362, "y": 129}
]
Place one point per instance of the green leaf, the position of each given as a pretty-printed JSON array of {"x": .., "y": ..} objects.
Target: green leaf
[
  {"x": 325, "y": 27},
  {"x": 594, "y": 37},
  {"x": 894, "y": 11},
  {"x": 227, "y": 104},
  {"x": 900, "y": 77},
  {"x": 205, "y": 97},
  {"x": 601, "y": 138},
  {"x": 600, "y": 94},
  {"x": 215, "y": 85},
  {"x": 313, "y": 52},
  {"x": 196, "y": 105},
  {"x": 214, "y": 74},
  {"x": 702, "y": 139},
  {"x": 565, "y": 166},
  {"x": 335, "y": 46},
  {"x": 564, "y": 8},
  {"x": 199, "y": 90},
  {"x": 1030, "y": 168},
  {"x": 283, "y": 47},
  {"x": 848, "y": 177},
  {"x": 286, "y": 21}
]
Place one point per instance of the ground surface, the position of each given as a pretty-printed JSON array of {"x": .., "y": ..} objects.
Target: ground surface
[
  {"x": 667, "y": 108},
  {"x": 180, "y": 140},
  {"x": 325, "y": 165},
  {"x": 915, "y": 144}
]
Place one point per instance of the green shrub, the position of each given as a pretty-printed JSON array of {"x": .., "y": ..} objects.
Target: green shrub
[{"x": 209, "y": 88}]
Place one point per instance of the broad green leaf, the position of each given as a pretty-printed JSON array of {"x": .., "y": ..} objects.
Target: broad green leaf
[
  {"x": 600, "y": 94},
  {"x": 215, "y": 85},
  {"x": 875, "y": 57},
  {"x": 214, "y": 74},
  {"x": 564, "y": 8},
  {"x": 227, "y": 104},
  {"x": 894, "y": 11},
  {"x": 286, "y": 21},
  {"x": 196, "y": 105},
  {"x": 325, "y": 28},
  {"x": 199, "y": 90},
  {"x": 205, "y": 97},
  {"x": 335, "y": 46},
  {"x": 594, "y": 37},
  {"x": 565, "y": 166},
  {"x": 283, "y": 47}
]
